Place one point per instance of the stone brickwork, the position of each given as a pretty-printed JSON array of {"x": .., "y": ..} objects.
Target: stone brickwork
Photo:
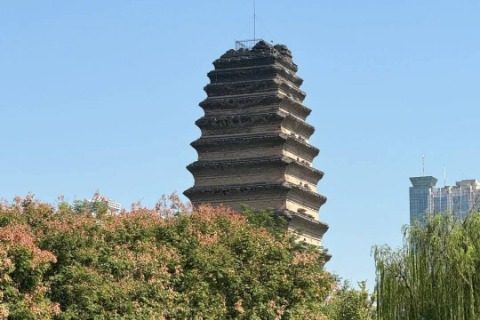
[{"x": 254, "y": 148}]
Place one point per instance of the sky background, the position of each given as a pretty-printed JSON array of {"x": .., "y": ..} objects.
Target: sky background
[{"x": 103, "y": 95}]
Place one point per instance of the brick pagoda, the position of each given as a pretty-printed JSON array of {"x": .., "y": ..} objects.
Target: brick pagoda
[{"x": 254, "y": 148}]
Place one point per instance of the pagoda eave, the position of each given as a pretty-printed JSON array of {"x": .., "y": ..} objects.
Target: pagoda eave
[
  {"x": 206, "y": 143},
  {"x": 259, "y": 72},
  {"x": 312, "y": 199},
  {"x": 216, "y": 122},
  {"x": 241, "y": 102},
  {"x": 256, "y": 86},
  {"x": 284, "y": 161},
  {"x": 305, "y": 223}
]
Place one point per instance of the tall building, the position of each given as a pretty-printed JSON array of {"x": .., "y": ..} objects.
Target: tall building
[
  {"x": 458, "y": 200},
  {"x": 254, "y": 149}
]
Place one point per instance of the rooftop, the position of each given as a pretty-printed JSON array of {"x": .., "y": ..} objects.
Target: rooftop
[
  {"x": 430, "y": 181},
  {"x": 424, "y": 181},
  {"x": 469, "y": 183}
]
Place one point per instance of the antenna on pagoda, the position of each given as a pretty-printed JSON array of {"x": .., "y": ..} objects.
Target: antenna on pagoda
[{"x": 254, "y": 21}]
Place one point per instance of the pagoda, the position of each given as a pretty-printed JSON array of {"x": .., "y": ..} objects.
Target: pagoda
[{"x": 254, "y": 149}]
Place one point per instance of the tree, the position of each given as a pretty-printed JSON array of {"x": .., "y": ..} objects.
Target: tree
[
  {"x": 23, "y": 291},
  {"x": 347, "y": 303},
  {"x": 436, "y": 275},
  {"x": 211, "y": 263}
]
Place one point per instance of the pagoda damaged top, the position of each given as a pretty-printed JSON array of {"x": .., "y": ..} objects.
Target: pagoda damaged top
[
  {"x": 258, "y": 48},
  {"x": 259, "y": 44}
]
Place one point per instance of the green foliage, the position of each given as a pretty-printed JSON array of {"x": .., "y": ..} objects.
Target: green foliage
[
  {"x": 23, "y": 266},
  {"x": 347, "y": 303},
  {"x": 66, "y": 263},
  {"x": 97, "y": 208},
  {"x": 436, "y": 275},
  {"x": 274, "y": 223}
]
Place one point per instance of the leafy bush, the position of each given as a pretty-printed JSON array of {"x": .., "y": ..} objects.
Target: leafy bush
[{"x": 67, "y": 263}]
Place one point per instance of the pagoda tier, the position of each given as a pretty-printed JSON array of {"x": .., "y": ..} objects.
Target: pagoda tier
[
  {"x": 254, "y": 148},
  {"x": 265, "y": 72},
  {"x": 247, "y": 146},
  {"x": 256, "y": 170},
  {"x": 258, "y": 102},
  {"x": 256, "y": 86},
  {"x": 254, "y": 122}
]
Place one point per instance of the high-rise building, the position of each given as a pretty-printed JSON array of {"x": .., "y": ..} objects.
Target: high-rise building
[
  {"x": 254, "y": 149},
  {"x": 458, "y": 200}
]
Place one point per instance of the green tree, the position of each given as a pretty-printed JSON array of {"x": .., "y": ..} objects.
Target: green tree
[
  {"x": 23, "y": 290},
  {"x": 212, "y": 263},
  {"x": 436, "y": 275},
  {"x": 347, "y": 303}
]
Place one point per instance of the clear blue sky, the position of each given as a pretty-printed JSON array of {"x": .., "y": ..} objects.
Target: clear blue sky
[{"x": 104, "y": 94}]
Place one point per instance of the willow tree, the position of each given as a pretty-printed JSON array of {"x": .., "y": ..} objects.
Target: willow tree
[{"x": 435, "y": 275}]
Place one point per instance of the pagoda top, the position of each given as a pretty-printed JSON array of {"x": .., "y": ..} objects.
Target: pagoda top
[
  {"x": 252, "y": 50},
  {"x": 258, "y": 46}
]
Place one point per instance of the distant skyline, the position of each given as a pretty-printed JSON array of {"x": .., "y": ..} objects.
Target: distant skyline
[
  {"x": 103, "y": 95},
  {"x": 426, "y": 198}
]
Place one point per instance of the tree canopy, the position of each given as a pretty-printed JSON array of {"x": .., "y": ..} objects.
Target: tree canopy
[
  {"x": 66, "y": 262},
  {"x": 436, "y": 275}
]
